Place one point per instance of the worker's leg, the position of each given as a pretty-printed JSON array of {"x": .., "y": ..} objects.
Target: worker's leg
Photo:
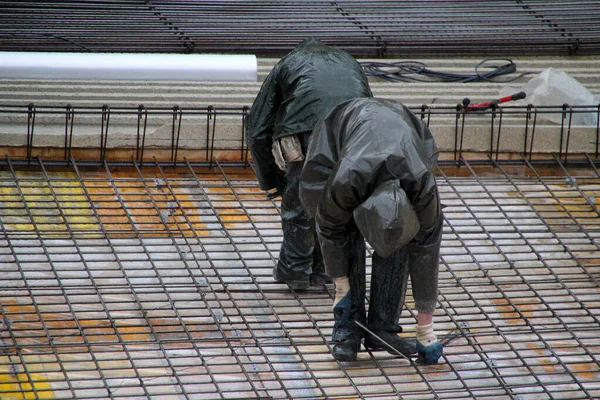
[
  {"x": 300, "y": 260},
  {"x": 389, "y": 277},
  {"x": 296, "y": 254},
  {"x": 423, "y": 261},
  {"x": 351, "y": 307},
  {"x": 318, "y": 276},
  {"x": 424, "y": 266}
]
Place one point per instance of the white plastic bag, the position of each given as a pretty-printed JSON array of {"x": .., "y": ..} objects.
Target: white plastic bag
[{"x": 553, "y": 87}]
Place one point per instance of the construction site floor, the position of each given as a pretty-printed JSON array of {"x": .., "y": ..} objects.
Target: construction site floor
[{"x": 156, "y": 282}]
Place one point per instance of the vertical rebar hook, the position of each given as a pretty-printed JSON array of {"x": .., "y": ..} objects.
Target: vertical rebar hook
[
  {"x": 142, "y": 113},
  {"x": 492, "y": 119},
  {"x": 244, "y": 149},
  {"x": 564, "y": 115},
  {"x": 423, "y": 108},
  {"x": 597, "y": 129},
  {"x": 535, "y": 113},
  {"x": 494, "y": 107},
  {"x": 104, "y": 131},
  {"x": 31, "y": 111},
  {"x": 69, "y": 118},
  {"x": 461, "y": 110},
  {"x": 175, "y": 141},
  {"x": 209, "y": 113},
  {"x": 212, "y": 140}
]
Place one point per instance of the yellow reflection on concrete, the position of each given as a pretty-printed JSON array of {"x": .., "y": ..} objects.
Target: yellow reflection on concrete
[{"x": 18, "y": 386}]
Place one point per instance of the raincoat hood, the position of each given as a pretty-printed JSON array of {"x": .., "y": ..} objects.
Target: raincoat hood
[{"x": 386, "y": 219}]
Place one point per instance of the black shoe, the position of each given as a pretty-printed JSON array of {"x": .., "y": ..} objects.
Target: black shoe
[
  {"x": 392, "y": 343},
  {"x": 346, "y": 332},
  {"x": 296, "y": 285},
  {"x": 302, "y": 284},
  {"x": 319, "y": 279},
  {"x": 347, "y": 350}
]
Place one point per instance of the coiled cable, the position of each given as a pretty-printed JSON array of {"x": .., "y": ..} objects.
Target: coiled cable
[{"x": 416, "y": 71}]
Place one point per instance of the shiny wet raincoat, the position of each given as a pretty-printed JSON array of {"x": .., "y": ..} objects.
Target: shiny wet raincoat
[
  {"x": 370, "y": 163},
  {"x": 302, "y": 88}
]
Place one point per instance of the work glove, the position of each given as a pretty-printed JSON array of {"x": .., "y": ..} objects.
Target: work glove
[
  {"x": 287, "y": 149},
  {"x": 429, "y": 354},
  {"x": 429, "y": 348}
]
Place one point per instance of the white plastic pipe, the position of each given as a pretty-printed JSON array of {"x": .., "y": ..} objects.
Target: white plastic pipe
[{"x": 121, "y": 66}]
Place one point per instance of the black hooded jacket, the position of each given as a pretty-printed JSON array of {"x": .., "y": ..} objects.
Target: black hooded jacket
[
  {"x": 302, "y": 88},
  {"x": 370, "y": 161}
]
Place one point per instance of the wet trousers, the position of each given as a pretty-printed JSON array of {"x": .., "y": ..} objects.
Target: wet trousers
[
  {"x": 389, "y": 278},
  {"x": 300, "y": 254}
]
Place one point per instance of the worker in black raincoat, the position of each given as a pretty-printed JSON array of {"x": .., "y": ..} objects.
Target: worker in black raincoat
[
  {"x": 368, "y": 175},
  {"x": 302, "y": 88}
]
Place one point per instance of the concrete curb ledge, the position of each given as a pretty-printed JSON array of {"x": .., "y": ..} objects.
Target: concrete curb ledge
[{"x": 478, "y": 137}]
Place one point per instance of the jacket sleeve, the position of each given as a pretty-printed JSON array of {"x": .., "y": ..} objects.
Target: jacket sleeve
[
  {"x": 418, "y": 182},
  {"x": 425, "y": 203},
  {"x": 259, "y": 132},
  {"x": 318, "y": 166},
  {"x": 347, "y": 187}
]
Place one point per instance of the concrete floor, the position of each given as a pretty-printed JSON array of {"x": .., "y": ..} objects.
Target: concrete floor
[{"x": 128, "y": 282}]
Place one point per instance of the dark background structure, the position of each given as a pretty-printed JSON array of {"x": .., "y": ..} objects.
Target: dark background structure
[{"x": 271, "y": 28}]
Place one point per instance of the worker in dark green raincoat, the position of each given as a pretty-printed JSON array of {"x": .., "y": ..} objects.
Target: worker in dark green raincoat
[
  {"x": 302, "y": 88},
  {"x": 368, "y": 175}
]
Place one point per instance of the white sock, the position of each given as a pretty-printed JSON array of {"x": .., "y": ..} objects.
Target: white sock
[
  {"x": 425, "y": 334},
  {"x": 342, "y": 287}
]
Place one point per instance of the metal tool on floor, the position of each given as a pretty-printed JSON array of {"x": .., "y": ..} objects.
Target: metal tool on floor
[
  {"x": 444, "y": 340},
  {"x": 370, "y": 332},
  {"x": 490, "y": 104}
]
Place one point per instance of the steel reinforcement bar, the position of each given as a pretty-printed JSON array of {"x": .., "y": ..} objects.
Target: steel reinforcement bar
[{"x": 207, "y": 141}]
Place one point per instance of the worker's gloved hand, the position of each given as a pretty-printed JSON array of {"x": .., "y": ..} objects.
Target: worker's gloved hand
[
  {"x": 429, "y": 348},
  {"x": 429, "y": 354}
]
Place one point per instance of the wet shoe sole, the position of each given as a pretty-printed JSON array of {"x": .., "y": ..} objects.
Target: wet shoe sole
[
  {"x": 339, "y": 358},
  {"x": 296, "y": 285}
]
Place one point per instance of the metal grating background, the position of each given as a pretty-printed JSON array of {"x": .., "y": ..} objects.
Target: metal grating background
[
  {"x": 155, "y": 282},
  {"x": 271, "y": 28}
]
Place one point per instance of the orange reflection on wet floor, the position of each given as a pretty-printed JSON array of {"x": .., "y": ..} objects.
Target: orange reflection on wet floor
[
  {"x": 510, "y": 314},
  {"x": 589, "y": 371}
]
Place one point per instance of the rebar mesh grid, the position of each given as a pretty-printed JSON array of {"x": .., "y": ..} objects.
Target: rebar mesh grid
[
  {"x": 143, "y": 134},
  {"x": 272, "y": 28},
  {"x": 155, "y": 282}
]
